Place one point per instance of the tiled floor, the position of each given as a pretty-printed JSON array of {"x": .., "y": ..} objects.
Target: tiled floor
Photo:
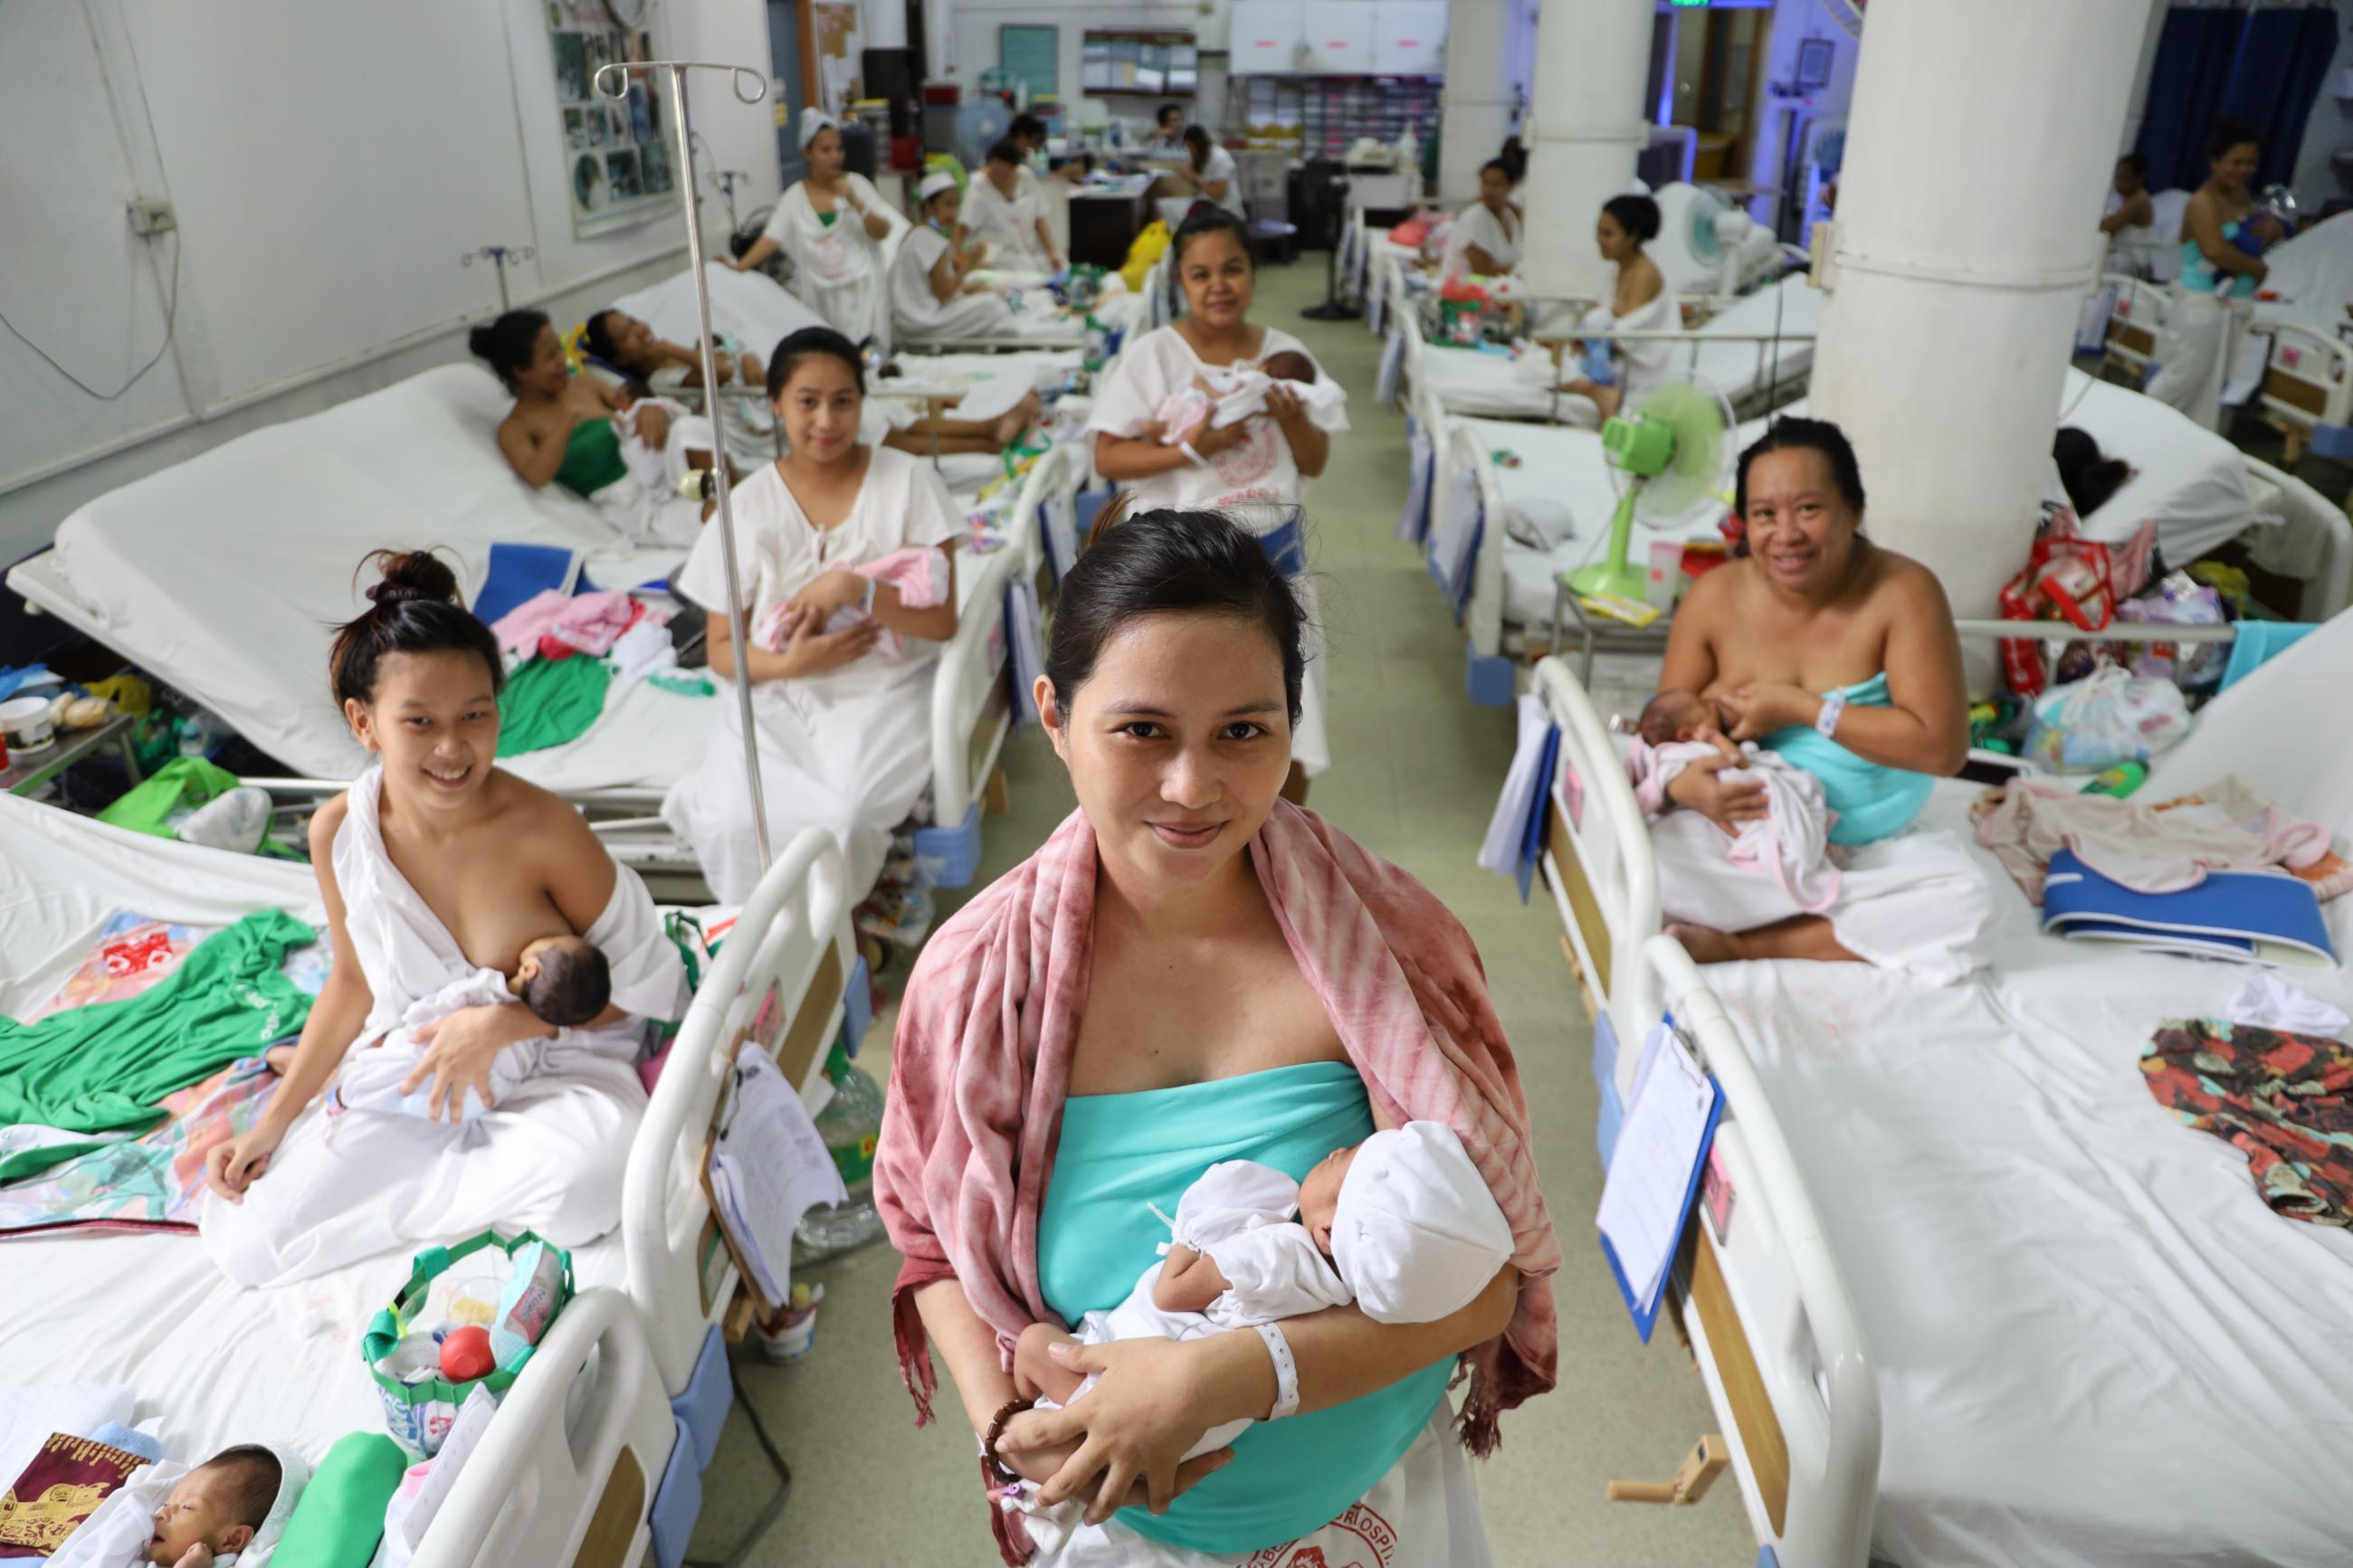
[{"x": 1415, "y": 772}]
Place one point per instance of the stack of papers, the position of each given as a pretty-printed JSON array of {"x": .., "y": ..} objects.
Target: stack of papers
[
  {"x": 1654, "y": 1170},
  {"x": 769, "y": 1166}
]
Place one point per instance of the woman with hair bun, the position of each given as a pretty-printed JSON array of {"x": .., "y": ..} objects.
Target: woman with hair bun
[
  {"x": 435, "y": 865},
  {"x": 626, "y": 453},
  {"x": 1615, "y": 371}
]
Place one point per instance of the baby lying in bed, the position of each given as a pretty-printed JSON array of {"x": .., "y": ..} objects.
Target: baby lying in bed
[
  {"x": 1402, "y": 1223},
  {"x": 227, "y": 1510},
  {"x": 564, "y": 980},
  {"x": 1231, "y": 395}
]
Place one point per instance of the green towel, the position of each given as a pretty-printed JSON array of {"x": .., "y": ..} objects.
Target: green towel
[
  {"x": 592, "y": 458},
  {"x": 339, "y": 1519},
  {"x": 550, "y": 700},
  {"x": 108, "y": 1066},
  {"x": 183, "y": 781}
]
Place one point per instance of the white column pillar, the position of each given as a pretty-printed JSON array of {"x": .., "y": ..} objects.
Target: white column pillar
[
  {"x": 1586, "y": 127},
  {"x": 1982, "y": 136},
  {"x": 1476, "y": 113},
  {"x": 884, "y": 24}
]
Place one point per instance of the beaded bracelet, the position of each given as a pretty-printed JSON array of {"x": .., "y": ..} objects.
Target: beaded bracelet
[{"x": 995, "y": 1471}]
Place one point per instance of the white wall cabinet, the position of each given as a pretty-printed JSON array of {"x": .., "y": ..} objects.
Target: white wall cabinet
[
  {"x": 1408, "y": 37},
  {"x": 1339, "y": 37},
  {"x": 1266, "y": 36}
]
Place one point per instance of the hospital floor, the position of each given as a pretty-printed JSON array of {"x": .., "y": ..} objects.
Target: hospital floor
[{"x": 1415, "y": 772}]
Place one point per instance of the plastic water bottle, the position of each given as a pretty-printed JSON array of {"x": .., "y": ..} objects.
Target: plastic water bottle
[
  {"x": 850, "y": 1124},
  {"x": 195, "y": 737}
]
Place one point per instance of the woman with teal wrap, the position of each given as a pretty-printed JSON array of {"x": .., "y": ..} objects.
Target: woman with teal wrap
[
  {"x": 1841, "y": 655},
  {"x": 1191, "y": 970}
]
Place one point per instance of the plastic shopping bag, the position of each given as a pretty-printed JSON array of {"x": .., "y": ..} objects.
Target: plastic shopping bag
[
  {"x": 2066, "y": 579},
  {"x": 2108, "y": 719}
]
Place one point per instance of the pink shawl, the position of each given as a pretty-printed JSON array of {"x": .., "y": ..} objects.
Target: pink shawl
[{"x": 982, "y": 1064}]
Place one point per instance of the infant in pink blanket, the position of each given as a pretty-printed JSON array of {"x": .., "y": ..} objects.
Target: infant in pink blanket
[
  {"x": 1229, "y": 395},
  {"x": 1789, "y": 844},
  {"x": 919, "y": 574}
]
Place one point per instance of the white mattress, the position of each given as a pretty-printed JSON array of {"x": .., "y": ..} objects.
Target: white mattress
[
  {"x": 218, "y": 1364},
  {"x": 2096, "y": 1345},
  {"x": 751, "y": 306},
  {"x": 2312, "y": 276},
  {"x": 2192, "y": 482},
  {"x": 224, "y": 574}
]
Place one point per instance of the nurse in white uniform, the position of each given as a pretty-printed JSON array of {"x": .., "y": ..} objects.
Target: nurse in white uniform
[
  {"x": 844, "y": 733},
  {"x": 1006, "y": 209},
  {"x": 831, "y": 226},
  {"x": 1257, "y": 465},
  {"x": 1213, "y": 177},
  {"x": 1486, "y": 238}
]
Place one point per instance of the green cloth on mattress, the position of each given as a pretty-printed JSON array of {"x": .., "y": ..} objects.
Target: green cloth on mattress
[
  {"x": 550, "y": 700},
  {"x": 339, "y": 1518},
  {"x": 592, "y": 457},
  {"x": 184, "y": 780},
  {"x": 108, "y": 1066}
]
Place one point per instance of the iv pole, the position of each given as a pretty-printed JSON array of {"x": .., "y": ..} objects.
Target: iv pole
[{"x": 737, "y": 621}]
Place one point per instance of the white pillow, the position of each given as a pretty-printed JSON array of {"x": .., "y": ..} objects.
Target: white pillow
[{"x": 1539, "y": 522}]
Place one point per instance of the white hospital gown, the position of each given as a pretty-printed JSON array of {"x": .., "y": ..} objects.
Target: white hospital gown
[
  {"x": 917, "y": 312},
  {"x": 849, "y": 750},
  {"x": 837, "y": 266},
  {"x": 1010, "y": 226},
  {"x": 1479, "y": 227},
  {"x": 549, "y": 1159},
  {"x": 370, "y": 1079},
  {"x": 1256, "y": 470}
]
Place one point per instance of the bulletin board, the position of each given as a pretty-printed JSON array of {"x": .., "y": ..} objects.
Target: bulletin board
[{"x": 616, "y": 154}]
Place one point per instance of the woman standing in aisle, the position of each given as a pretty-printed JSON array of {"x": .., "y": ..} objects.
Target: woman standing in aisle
[
  {"x": 1260, "y": 463},
  {"x": 2222, "y": 239},
  {"x": 832, "y": 227}
]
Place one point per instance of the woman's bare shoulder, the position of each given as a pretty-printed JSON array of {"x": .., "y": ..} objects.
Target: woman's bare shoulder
[
  {"x": 1904, "y": 585},
  {"x": 325, "y": 823}
]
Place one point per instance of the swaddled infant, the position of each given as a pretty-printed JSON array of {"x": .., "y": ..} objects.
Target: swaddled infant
[
  {"x": 1789, "y": 844},
  {"x": 1402, "y": 1223},
  {"x": 565, "y": 981},
  {"x": 1232, "y": 393},
  {"x": 223, "y": 1510}
]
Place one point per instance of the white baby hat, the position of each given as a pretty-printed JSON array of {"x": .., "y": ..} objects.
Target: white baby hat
[{"x": 1416, "y": 1233}]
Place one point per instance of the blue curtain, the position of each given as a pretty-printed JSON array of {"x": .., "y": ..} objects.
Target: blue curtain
[
  {"x": 2195, "y": 55},
  {"x": 2283, "y": 57}
]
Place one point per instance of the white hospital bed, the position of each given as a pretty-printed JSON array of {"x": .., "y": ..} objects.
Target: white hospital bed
[
  {"x": 223, "y": 575},
  {"x": 608, "y": 1429},
  {"x": 1981, "y": 1300},
  {"x": 2199, "y": 490}
]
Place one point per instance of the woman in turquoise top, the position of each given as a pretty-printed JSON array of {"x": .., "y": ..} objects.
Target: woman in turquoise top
[
  {"x": 1202, "y": 1040},
  {"x": 1821, "y": 644},
  {"x": 2221, "y": 237}
]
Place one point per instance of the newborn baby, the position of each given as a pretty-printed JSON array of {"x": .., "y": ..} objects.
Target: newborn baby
[
  {"x": 565, "y": 981},
  {"x": 1402, "y": 1223},
  {"x": 1711, "y": 871},
  {"x": 1673, "y": 716},
  {"x": 1233, "y": 394},
  {"x": 212, "y": 1513}
]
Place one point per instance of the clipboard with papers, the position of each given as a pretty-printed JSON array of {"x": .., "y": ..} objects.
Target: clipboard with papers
[{"x": 1655, "y": 1168}]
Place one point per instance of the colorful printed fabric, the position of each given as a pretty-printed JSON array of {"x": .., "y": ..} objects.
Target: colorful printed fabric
[
  {"x": 2284, "y": 1100},
  {"x": 154, "y": 1181}
]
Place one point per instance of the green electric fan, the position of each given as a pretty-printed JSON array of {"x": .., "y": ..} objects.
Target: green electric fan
[{"x": 1671, "y": 459}]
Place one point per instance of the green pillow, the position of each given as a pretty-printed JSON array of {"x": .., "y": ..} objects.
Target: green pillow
[{"x": 340, "y": 1517}]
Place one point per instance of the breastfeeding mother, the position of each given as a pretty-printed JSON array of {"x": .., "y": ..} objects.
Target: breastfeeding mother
[
  {"x": 1842, "y": 656},
  {"x": 434, "y": 864},
  {"x": 1266, "y": 458},
  {"x": 1192, "y": 970}
]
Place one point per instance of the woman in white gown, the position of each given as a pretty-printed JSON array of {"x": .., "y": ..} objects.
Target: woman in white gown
[
  {"x": 1486, "y": 238},
  {"x": 1260, "y": 463},
  {"x": 933, "y": 291},
  {"x": 1617, "y": 372},
  {"x": 831, "y": 226},
  {"x": 435, "y": 865},
  {"x": 1006, "y": 209},
  {"x": 844, "y": 729}
]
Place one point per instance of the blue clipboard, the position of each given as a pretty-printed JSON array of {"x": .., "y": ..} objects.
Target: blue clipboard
[{"x": 1646, "y": 1313}]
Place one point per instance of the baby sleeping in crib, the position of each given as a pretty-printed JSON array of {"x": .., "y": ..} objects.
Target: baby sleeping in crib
[
  {"x": 565, "y": 981},
  {"x": 1230, "y": 395},
  {"x": 1401, "y": 1224}
]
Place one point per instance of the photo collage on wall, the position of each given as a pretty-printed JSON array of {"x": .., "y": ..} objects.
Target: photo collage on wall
[{"x": 617, "y": 154}]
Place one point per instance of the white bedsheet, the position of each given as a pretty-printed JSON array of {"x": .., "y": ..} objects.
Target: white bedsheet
[
  {"x": 2096, "y": 1345},
  {"x": 224, "y": 574},
  {"x": 2312, "y": 276},
  {"x": 751, "y": 306},
  {"x": 217, "y": 1366}
]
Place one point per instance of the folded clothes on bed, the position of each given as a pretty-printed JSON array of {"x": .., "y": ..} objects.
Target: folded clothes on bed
[
  {"x": 2284, "y": 1100},
  {"x": 2156, "y": 846},
  {"x": 98, "y": 1068},
  {"x": 548, "y": 702},
  {"x": 519, "y": 572},
  {"x": 576, "y": 623}
]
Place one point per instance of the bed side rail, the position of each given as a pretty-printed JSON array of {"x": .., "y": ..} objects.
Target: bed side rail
[
  {"x": 971, "y": 705},
  {"x": 1466, "y": 452},
  {"x": 1769, "y": 1309},
  {"x": 779, "y": 979},
  {"x": 567, "y": 1469},
  {"x": 2133, "y": 322},
  {"x": 2307, "y": 390},
  {"x": 1598, "y": 865}
]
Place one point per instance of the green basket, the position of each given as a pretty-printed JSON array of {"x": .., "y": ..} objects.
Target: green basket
[{"x": 418, "y": 1415}]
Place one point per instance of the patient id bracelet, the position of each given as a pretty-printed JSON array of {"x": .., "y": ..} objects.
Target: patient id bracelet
[
  {"x": 867, "y": 608},
  {"x": 1195, "y": 458},
  {"x": 1826, "y": 722},
  {"x": 1286, "y": 1372}
]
